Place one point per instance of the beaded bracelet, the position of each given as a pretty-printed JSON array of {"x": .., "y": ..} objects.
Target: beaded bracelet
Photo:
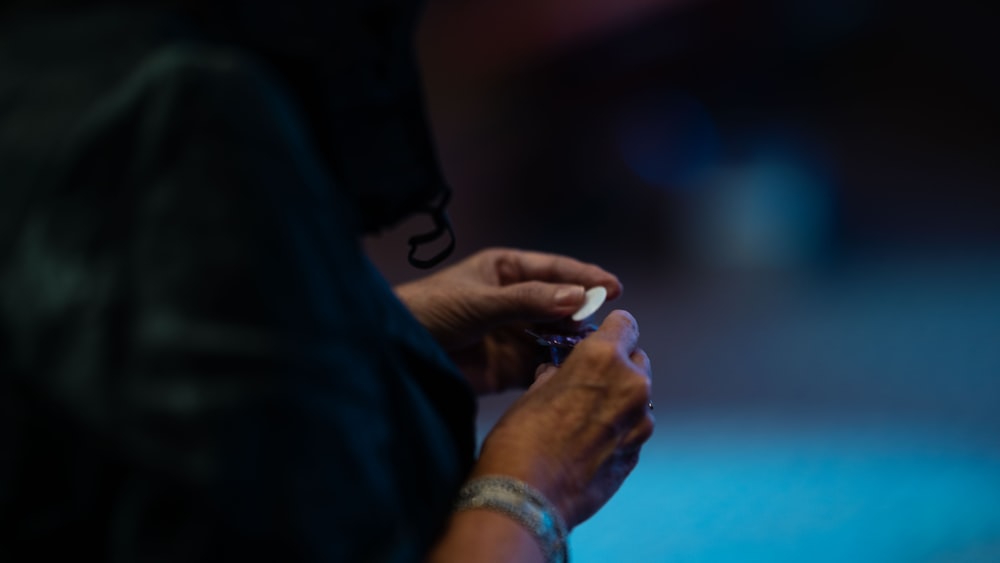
[{"x": 522, "y": 503}]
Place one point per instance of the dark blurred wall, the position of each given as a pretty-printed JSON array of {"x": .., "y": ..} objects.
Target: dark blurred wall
[{"x": 707, "y": 133}]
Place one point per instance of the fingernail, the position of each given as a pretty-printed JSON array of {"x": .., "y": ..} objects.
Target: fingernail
[{"x": 569, "y": 295}]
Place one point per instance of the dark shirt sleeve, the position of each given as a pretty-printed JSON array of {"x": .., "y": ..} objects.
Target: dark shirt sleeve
[{"x": 237, "y": 382}]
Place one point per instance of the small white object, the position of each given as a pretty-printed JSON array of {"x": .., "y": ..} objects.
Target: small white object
[{"x": 592, "y": 301}]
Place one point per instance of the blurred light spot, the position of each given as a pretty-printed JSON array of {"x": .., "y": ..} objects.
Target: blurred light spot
[
  {"x": 774, "y": 209},
  {"x": 667, "y": 139}
]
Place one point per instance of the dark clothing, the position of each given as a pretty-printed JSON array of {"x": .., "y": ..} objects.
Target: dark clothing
[{"x": 197, "y": 362}]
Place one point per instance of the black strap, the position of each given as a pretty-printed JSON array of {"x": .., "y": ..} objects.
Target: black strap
[{"x": 442, "y": 225}]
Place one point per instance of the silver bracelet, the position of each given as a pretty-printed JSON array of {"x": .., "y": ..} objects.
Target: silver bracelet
[{"x": 522, "y": 503}]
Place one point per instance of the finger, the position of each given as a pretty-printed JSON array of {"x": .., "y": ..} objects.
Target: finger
[
  {"x": 637, "y": 419},
  {"x": 640, "y": 433},
  {"x": 544, "y": 373},
  {"x": 535, "y": 301},
  {"x": 515, "y": 266},
  {"x": 548, "y": 366},
  {"x": 641, "y": 360},
  {"x": 628, "y": 459},
  {"x": 619, "y": 328}
]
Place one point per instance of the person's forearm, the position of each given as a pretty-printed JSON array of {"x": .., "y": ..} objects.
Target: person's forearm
[{"x": 485, "y": 536}]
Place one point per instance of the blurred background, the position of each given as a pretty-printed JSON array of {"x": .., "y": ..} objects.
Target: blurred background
[{"x": 802, "y": 198}]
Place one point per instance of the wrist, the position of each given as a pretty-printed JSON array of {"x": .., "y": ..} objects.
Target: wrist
[
  {"x": 523, "y": 504},
  {"x": 485, "y": 536},
  {"x": 505, "y": 453}
]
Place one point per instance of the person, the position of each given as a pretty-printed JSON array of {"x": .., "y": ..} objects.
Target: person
[{"x": 199, "y": 362}]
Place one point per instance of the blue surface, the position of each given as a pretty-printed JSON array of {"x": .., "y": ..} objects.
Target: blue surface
[{"x": 714, "y": 488}]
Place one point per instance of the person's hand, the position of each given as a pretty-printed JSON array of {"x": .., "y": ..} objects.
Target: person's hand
[
  {"x": 478, "y": 309},
  {"x": 576, "y": 433}
]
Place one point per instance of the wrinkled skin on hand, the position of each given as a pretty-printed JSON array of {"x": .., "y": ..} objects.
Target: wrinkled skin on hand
[
  {"x": 575, "y": 434},
  {"x": 478, "y": 309}
]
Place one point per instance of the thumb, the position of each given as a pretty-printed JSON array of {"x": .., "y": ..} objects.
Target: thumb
[
  {"x": 544, "y": 372},
  {"x": 537, "y": 301}
]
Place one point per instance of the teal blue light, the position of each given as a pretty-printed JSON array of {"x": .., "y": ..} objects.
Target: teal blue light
[{"x": 736, "y": 489}]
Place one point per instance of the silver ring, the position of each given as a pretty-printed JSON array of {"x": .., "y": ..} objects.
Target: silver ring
[{"x": 650, "y": 405}]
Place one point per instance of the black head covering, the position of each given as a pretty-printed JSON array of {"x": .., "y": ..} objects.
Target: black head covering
[{"x": 352, "y": 64}]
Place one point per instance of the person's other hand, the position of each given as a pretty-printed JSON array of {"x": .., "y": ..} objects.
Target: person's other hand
[
  {"x": 575, "y": 434},
  {"x": 478, "y": 309}
]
